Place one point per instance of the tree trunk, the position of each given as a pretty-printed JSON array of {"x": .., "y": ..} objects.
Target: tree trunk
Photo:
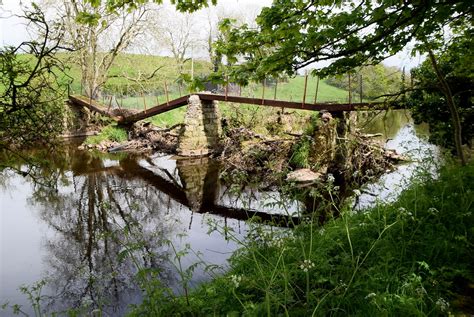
[{"x": 452, "y": 107}]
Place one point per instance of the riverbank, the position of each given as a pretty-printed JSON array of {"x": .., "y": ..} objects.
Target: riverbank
[{"x": 411, "y": 257}]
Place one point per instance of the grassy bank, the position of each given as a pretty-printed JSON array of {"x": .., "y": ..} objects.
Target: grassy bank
[
  {"x": 109, "y": 133},
  {"x": 410, "y": 258}
]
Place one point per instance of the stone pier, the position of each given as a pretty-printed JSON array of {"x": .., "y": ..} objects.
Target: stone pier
[
  {"x": 202, "y": 128},
  {"x": 200, "y": 179}
]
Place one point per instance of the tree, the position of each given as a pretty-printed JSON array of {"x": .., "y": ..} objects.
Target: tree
[
  {"x": 177, "y": 31},
  {"x": 181, "y": 5},
  {"x": 98, "y": 35},
  {"x": 32, "y": 83},
  {"x": 427, "y": 100},
  {"x": 348, "y": 34},
  {"x": 377, "y": 80}
]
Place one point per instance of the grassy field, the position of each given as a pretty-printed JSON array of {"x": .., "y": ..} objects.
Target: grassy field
[
  {"x": 293, "y": 90},
  {"x": 134, "y": 66}
]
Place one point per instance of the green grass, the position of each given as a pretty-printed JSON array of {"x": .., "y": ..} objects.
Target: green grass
[
  {"x": 109, "y": 133},
  {"x": 410, "y": 258},
  {"x": 133, "y": 66},
  {"x": 293, "y": 90}
]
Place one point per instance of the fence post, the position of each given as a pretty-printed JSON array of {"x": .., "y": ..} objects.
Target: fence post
[
  {"x": 166, "y": 92},
  {"x": 226, "y": 86},
  {"x": 360, "y": 88},
  {"x": 263, "y": 91},
  {"x": 144, "y": 102},
  {"x": 350, "y": 92},
  {"x": 317, "y": 88},
  {"x": 305, "y": 87},
  {"x": 110, "y": 103},
  {"x": 276, "y": 86}
]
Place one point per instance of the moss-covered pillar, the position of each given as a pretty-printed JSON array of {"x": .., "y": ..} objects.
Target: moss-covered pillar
[{"x": 202, "y": 129}]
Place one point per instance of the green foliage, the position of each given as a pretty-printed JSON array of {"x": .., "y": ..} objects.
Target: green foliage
[
  {"x": 301, "y": 150},
  {"x": 377, "y": 80},
  {"x": 109, "y": 133},
  {"x": 410, "y": 258},
  {"x": 428, "y": 102},
  {"x": 300, "y": 155},
  {"x": 293, "y": 34},
  {"x": 31, "y": 92},
  {"x": 181, "y": 5}
]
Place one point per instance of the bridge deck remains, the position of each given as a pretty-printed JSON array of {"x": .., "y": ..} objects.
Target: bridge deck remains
[{"x": 124, "y": 118}]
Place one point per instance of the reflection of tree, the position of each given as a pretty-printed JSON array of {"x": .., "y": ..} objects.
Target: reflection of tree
[{"x": 107, "y": 227}]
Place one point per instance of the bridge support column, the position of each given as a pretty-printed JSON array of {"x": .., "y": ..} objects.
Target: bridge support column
[
  {"x": 202, "y": 128},
  {"x": 199, "y": 177}
]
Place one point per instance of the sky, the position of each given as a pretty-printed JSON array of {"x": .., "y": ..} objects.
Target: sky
[{"x": 13, "y": 30}]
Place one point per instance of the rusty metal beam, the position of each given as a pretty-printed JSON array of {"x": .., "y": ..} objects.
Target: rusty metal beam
[
  {"x": 331, "y": 107},
  {"x": 92, "y": 105},
  {"x": 164, "y": 107}
]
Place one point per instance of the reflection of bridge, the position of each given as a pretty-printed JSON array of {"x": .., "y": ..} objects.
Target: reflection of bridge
[
  {"x": 182, "y": 101},
  {"x": 199, "y": 190}
]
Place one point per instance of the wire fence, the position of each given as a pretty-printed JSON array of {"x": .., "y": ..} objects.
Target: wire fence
[{"x": 306, "y": 89}]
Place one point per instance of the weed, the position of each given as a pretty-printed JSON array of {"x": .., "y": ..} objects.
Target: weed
[
  {"x": 394, "y": 259},
  {"x": 109, "y": 133}
]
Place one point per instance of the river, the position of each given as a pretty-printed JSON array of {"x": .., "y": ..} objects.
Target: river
[{"x": 88, "y": 222}]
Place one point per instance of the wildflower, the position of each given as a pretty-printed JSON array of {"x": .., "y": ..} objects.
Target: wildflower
[
  {"x": 433, "y": 210},
  {"x": 442, "y": 304},
  {"x": 277, "y": 242},
  {"x": 236, "y": 279},
  {"x": 307, "y": 265},
  {"x": 402, "y": 210},
  {"x": 330, "y": 178},
  {"x": 370, "y": 295},
  {"x": 321, "y": 232}
]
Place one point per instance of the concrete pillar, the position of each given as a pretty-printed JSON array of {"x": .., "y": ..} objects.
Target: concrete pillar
[{"x": 202, "y": 128}]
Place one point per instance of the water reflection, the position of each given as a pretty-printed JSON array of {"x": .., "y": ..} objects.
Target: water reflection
[
  {"x": 412, "y": 144},
  {"x": 105, "y": 228},
  {"x": 388, "y": 123},
  {"x": 108, "y": 217}
]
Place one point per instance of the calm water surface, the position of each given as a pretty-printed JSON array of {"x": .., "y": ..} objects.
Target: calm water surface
[{"x": 89, "y": 221}]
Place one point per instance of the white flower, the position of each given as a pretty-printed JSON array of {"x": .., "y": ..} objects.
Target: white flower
[
  {"x": 433, "y": 210},
  {"x": 321, "y": 232},
  {"x": 236, "y": 279},
  {"x": 306, "y": 265},
  {"x": 370, "y": 295},
  {"x": 402, "y": 210},
  {"x": 330, "y": 178},
  {"x": 442, "y": 304}
]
